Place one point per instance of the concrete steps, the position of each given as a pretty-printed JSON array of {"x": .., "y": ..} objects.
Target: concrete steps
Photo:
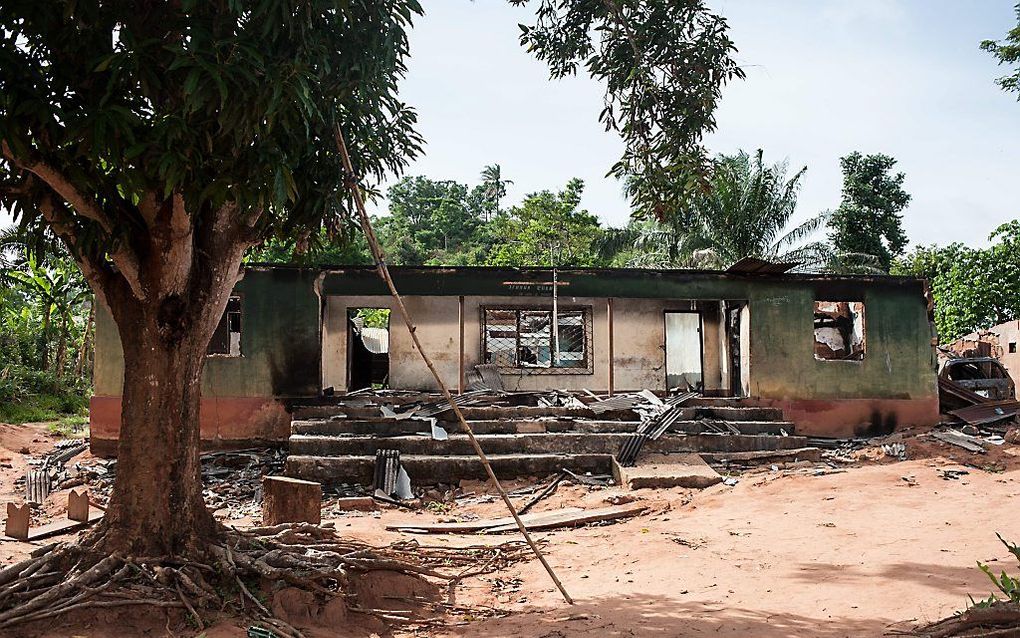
[
  {"x": 535, "y": 444},
  {"x": 432, "y": 469},
  {"x": 382, "y": 426},
  {"x": 337, "y": 443}
]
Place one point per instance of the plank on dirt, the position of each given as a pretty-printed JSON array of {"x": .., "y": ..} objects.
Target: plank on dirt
[
  {"x": 572, "y": 519},
  {"x": 468, "y": 527}
]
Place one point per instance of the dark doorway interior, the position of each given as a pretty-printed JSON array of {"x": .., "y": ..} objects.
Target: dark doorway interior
[{"x": 368, "y": 348}]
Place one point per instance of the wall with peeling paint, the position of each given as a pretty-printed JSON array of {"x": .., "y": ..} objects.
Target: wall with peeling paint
[{"x": 287, "y": 352}]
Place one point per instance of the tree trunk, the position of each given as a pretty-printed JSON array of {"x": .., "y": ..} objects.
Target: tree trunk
[
  {"x": 157, "y": 507},
  {"x": 83, "y": 352},
  {"x": 46, "y": 337},
  {"x": 62, "y": 348}
]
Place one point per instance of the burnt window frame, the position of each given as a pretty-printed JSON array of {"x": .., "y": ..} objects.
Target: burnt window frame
[
  {"x": 227, "y": 319},
  {"x": 587, "y": 366},
  {"x": 821, "y": 299}
]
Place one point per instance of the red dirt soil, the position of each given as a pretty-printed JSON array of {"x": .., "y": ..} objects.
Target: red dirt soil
[{"x": 781, "y": 554}]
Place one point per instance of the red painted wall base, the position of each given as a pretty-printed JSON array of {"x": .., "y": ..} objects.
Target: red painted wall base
[
  {"x": 856, "y": 417},
  {"x": 225, "y": 422}
]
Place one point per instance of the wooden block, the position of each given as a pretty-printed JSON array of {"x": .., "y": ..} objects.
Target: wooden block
[
  {"x": 17, "y": 521},
  {"x": 290, "y": 500},
  {"x": 357, "y": 504},
  {"x": 78, "y": 506}
]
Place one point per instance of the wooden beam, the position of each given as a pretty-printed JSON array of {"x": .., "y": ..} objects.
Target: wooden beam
[
  {"x": 460, "y": 358},
  {"x": 609, "y": 330}
]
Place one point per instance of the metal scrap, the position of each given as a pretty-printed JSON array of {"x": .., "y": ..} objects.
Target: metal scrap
[{"x": 959, "y": 439}]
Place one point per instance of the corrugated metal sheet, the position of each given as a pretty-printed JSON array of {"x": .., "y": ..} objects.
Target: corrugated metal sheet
[
  {"x": 755, "y": 266},
  {"x": 988, "y": 412},
  {"x": 377, "y": 340}
]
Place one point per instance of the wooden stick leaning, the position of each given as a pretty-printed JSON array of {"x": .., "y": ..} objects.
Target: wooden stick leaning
[{"x": 384, "y": 273}]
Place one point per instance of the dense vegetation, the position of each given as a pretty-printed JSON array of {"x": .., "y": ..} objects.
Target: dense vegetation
[{"x": 45, "y": 335}]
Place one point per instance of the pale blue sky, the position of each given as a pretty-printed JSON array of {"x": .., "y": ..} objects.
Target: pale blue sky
[{"x": 824, "y": 77}]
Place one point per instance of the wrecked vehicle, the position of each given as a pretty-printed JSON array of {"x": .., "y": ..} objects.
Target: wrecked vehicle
[{"x": 983, "y": 375}]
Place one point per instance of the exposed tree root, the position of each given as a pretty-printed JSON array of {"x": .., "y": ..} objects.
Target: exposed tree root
[
  {"x": 246, "y": 565},
  {"x": 1001, "y": 620}
]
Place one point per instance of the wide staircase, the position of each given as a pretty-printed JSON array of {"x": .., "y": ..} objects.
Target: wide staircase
[{"x": 522, "y": 434}]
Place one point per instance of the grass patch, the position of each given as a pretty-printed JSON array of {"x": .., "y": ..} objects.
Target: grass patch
[
  {"x": 43, "y": 407},
  {"x": 70, "y": 427}
]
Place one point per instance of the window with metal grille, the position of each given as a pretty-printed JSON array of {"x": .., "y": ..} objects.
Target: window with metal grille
[{"x": 525, "y": 340}]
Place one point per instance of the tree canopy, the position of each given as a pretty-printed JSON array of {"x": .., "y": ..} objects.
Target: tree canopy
[
  {"x": 746, "y": 212},
  {"x": 868, "y": 220},
  {"x": 974, "y": 288},
  {"x": 548, "y": 229},
  {"x": 1008, "y": 53},
  {"x": 663, "y": 64}
]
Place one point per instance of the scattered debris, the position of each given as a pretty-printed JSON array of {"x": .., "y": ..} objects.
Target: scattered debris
[
  {"x": 387, "y": 469},
  {"x": 959, "y": 439},
  {"x": 78, "y": 516},
  {"x": 951, "y": 474},
  {"x": 986, "y": 413},
  {"x": 549, "y": 490},
  {"x": 895, "y": 450}
]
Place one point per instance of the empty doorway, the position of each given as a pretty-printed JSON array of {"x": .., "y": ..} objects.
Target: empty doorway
[
  {"x": 368, "y": 348},
  {"x": 684, "y": 366}
]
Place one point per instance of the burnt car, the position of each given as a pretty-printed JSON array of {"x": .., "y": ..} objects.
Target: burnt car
[{"x": 983, "y": 375}]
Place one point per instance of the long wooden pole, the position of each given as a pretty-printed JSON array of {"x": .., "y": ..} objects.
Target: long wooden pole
[{"x": 384, "y": 273}]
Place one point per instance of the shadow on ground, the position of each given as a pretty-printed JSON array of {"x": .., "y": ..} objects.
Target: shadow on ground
[
  {"x": 942, "y": 577},
  {"x": 643, "y": 615}
]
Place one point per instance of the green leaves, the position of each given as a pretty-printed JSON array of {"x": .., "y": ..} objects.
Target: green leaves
[
  {"x": 973, "y": 288},
  {"x": 868, "y": 219},
  {"x": 1008, "y": 53},
  {"x": 217, "y": 102},
  {"x": 663, "y": 64}
]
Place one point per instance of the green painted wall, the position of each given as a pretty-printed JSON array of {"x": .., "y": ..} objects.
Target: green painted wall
[{"x": 280, "y": 339}]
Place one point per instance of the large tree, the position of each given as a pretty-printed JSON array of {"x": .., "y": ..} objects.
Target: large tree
[
  {"x": 973, "y": 288},
  {"x": 548, "y": 229},
  {"x": 430, "y": 221},
  {"x": 868, "y": 219},
  {"x": 159, "y": 141}
]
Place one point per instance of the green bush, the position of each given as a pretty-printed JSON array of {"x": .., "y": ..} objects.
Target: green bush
[{"x": 28, "y": 395}]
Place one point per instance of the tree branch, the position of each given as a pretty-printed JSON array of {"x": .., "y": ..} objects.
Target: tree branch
[
  {"x": 59, "y": 183},
  {"x": 123, "y": 257}
]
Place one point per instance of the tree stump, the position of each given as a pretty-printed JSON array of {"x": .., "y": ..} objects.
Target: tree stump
[{"x": 290, "y": 500}]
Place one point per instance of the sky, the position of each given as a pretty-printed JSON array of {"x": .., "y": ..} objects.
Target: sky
[{"x": 824, "y": 78}]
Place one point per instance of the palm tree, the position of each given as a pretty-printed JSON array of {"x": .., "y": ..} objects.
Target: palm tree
[
  {"x": 745, "y": 213},
  {"x": 494, "y": 188}
]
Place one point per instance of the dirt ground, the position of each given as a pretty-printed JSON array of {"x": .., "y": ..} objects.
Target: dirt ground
[{"x": 859, "y": 551}]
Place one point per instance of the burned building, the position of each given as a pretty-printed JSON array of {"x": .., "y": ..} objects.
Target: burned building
[{"x": 840, "y": 355}]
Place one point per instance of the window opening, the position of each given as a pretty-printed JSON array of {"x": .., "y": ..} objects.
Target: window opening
[
  {"x": 226, "y": 339},
  {"x": 839, "y": 330}
]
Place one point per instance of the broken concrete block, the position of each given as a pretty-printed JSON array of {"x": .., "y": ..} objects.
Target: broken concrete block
[
  {"x": 78, "y": 506},
  {"x": 667, "y": 470},
  {"x": 357, "y": 504},
  {"x": 290, "y": 500},
  {"x": 17, "y": 521}
]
